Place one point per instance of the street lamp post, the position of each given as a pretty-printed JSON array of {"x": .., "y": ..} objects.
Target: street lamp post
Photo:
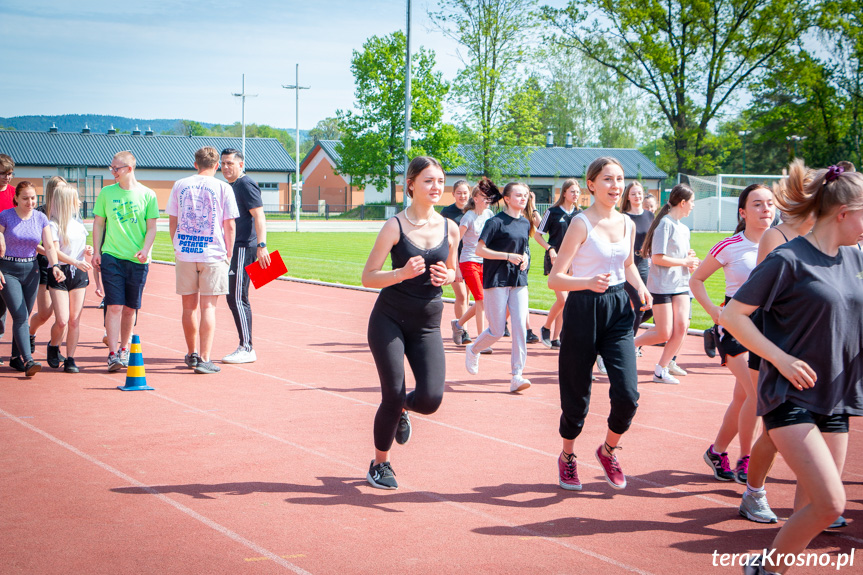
[
  {"x": 297, "y": 194},
  {"x": 743, "y": 134},
  {"x": 242, "y": 95},
  {"x": 795, "y": 139}
]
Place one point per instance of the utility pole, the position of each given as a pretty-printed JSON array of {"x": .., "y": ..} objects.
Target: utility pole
[
  {"x": 298, "y": 194},
  {"x": 243, "y": 96},
  {"x": 405, "y": 197}
]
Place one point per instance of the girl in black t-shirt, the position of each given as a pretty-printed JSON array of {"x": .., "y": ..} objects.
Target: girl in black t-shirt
[
  {"x": 503, "y": 247},
  {"x": 633, "y": 206},
  {"x": 811, "y": 294},
  {"x": 405, "y": 322},
  {"x": 454, "y": 211},
  {"x": 554, "y": 223}
]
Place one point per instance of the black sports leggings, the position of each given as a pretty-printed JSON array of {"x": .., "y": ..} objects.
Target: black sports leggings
[
  {"x": 597, "y": 323},
  {"x": 640, "y": 316},
  {"x": 19, "y": 295},
  {"x": 403, "y": 326}
]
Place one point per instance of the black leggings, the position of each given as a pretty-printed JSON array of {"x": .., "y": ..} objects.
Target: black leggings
[
  {"x": 640, "y": 316},
  {"x": 595, "y": 323},
  {"x": 404, "y": 326},
  {"x": 19, "y": 295}
]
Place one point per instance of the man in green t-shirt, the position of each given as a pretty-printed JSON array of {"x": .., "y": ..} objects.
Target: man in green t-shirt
[{"x": 124, "y": 230}]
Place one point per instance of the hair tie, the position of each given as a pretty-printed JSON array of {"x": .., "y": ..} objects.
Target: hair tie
[{"x": 833, "y": 172}]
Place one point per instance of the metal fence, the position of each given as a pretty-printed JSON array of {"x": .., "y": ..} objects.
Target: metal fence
[{"x": 327, "y": 211}]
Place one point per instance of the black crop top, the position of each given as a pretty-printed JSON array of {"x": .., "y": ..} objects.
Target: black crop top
[{"x": 405, "y": 249}]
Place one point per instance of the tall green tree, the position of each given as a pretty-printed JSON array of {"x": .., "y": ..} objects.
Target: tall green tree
[
  {"x": 522, "y": 123},
  {"x": 372, "y": 143},
  {"x": 326, "y": 129},
  {"x": 691, "y": 57},
  {"x": 493, "y": 36}
]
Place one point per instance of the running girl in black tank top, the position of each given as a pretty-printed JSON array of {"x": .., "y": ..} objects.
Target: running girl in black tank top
[{"x": 405, "y": 322}]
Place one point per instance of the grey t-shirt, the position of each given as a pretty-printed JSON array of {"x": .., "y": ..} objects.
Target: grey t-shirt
[
  {"x": 813, "y": 310},
  {"x": 671, "y": 237}
]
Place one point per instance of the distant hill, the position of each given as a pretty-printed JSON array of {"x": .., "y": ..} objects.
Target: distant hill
[{"x": 99, "y": 123}]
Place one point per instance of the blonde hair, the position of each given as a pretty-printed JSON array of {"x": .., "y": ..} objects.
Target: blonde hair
[
  {"x": 806, "y": 191},
  {"x": 126, "y": 156},
  {"x": 50, "y": 187},
  {"x": 63, "y": 208}
]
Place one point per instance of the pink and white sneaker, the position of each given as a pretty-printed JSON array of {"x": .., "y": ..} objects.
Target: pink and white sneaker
[
  {"x": 567, "y": 472},
  {"x": 613, "y": 473}
]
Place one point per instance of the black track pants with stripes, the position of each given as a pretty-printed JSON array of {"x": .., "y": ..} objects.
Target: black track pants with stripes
[{"x": 238, "y": 293}]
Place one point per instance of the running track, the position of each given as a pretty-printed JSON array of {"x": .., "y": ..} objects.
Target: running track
[{"x": 261, "y": 469}]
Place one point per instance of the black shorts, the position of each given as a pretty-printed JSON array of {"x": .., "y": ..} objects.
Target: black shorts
[
  {"x": 791, "y": 414},
  {"x": 660, "y": 298},
  {"x": 755, "y": 359},
  {"x": 74, "y": 279},
  {"x": 726, "y": 344},
  {"x": 43, "y": 269}
]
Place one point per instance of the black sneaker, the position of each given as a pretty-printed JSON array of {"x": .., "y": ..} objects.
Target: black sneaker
[
  {"x": 718, "y": 462},
  {"x": 403, "y": 431},
  {"x": 710, "y": 342},
  {"x": 382, "y": 475},
  {"x": 465, "y": 337},
  {"x": 555, "y": 344},
  {"x": 506, "y": 330},
  {"x": 17, "y": 364},
  {"x": 531, "y": 337},
  {"x": 32, "y": 344},
  {"x": 545, "y": 338},
  {"x": 31, "y": 368},
  {"x": 69, "y": 365},
  {"x": 192, "y": 360},
  {"x": 54, "y": 356},
  {"x": 207, "y": 367}
]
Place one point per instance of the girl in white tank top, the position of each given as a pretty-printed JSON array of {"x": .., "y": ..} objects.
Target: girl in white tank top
[{"x": 594, "y": 261}]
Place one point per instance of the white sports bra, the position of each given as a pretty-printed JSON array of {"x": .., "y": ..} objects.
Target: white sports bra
[{"x": 597, "y": 256}]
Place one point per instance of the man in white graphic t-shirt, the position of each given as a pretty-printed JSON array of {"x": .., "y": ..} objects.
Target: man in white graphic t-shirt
[{"x": 202, "y": 211}]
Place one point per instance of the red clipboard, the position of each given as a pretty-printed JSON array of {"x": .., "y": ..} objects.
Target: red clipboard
[{"x": 261, "y": 277}]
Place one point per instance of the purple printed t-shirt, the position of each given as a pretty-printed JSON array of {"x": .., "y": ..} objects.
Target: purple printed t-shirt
[{"x": 22, "y": 236}]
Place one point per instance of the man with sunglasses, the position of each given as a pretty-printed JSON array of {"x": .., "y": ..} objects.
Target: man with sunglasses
[{"x": 125, "y": 218}]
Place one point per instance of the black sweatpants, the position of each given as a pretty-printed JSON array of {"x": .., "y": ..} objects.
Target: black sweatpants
[
  {"x": 19, "y": 295},
  {"x": 597, "y": 324},
  {"x": 402, "y": 326},
  {"x": 238, "y": 293},
  {"x": 640, "y": 316}
]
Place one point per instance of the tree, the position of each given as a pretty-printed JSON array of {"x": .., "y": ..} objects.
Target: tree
[
  {"x": 842, "y": 22},
  {"x": 522, "y": 122},
  {"x": 372, "y": 143},
  {"x": 326, "y": 129},
  {"x": 692, "y": 57},
  {"x": 494, "y": 35}
]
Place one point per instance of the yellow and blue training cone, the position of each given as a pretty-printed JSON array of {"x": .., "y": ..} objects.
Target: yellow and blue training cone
[{"x": 136, "y": 379}]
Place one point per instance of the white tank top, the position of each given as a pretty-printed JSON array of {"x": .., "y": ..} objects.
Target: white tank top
[{"x": 597, "y": 256}]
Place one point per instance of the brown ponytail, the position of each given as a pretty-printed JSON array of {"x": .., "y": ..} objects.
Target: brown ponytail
[{"x": 679, "y": 193}]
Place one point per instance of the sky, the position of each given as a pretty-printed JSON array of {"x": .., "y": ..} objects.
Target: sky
[{"x": 183, "y": 59}]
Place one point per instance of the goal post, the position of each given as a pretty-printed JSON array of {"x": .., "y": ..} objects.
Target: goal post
[{"x": 716, "y": 199}]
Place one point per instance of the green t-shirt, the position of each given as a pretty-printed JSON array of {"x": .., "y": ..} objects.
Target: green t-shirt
[{"x": 126, "y": 213}]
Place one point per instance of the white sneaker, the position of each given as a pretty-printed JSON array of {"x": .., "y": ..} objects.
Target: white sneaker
[
  {"x": 518, "y": 383},
  {"x": 471, "y": 360},
  {"x": 240, "y": 356},
  {"x": 661, "y": 375},
  {"x": 675, "y": 369},
  {"x": 600, "y": 365}
]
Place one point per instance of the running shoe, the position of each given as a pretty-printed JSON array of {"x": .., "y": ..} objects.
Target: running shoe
[
  {"x": 709, "y": 338},
  {"x": 54, "y": 356},
  {"x": 545, "y": 336},
  {"x": 531, "y": 337},
  {"x": 17, "y": 363},
  {"x": 600, "y": 365},
  {"x": 382, "y": 475},
  {"x": 555, "y": 344},
  {"x": 207, "y": 367},
  {"x": 192, "y": 360},
  {"x": 114, "y": 363},
  {"x": 661, "y": 375},
  {"x": 755, "y": 566},
  {"x": 465, "y": 337},
  {"x": 675, "y": 369},
  {"x": 124, "y": 356},
  {"x": 754, "y": 507},
  {"x": 638, "y": 352},
  {"x": 31, "y": 368},
  {"x": 518, "y": 383},
  {"x": 838, "y": 524},
  {"x": 487, "y": 351},
  {"x": 611, "y": 466},
  {"x": 718, "y": 462},
  {"x": 102, "y": 304},
  {"x": 506, "y": 329},
  {"x": 241, "y": 355},
  {"x": 567, "y": 472},
  {"x": 741, "y": 471},
  {"x": 32, "y": 344},
  {"x": 457, "y": 332},
  {"x": 404, "y": 430},
  {"x": 471, "y": 360},
  {"x": 69, "y": 365}
]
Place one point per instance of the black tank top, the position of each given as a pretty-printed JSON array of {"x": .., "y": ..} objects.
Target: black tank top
[{"x": 405, "y": 249}]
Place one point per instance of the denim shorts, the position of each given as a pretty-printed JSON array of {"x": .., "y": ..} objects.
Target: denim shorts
[{"x": 123, "y": 281}]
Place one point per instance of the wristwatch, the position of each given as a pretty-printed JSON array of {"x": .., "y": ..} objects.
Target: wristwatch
[{"x": 262, "y": 245}]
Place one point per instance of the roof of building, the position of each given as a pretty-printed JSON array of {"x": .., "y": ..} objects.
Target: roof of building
[
  {"x": 534, "y": 161},
  {"x": 151, "y": 151}
]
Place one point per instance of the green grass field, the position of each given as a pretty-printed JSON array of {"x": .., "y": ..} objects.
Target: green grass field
[{"x": 340, "y": 257}]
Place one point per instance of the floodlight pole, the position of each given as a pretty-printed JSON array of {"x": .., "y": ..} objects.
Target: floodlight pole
[
  {"x": 405, "y": 198},
  {"x": 298, "y": 194},
  {"x": 243, "y": 96}
]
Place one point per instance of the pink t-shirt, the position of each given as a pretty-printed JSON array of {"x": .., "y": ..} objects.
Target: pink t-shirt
[
  {"x": 201, "y": 205},
  {"x": 6, "y": 198}
]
